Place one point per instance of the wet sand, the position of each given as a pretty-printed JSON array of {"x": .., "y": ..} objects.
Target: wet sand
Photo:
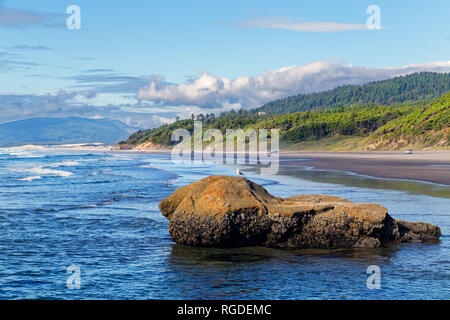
[{"x": 429, "y": 166}]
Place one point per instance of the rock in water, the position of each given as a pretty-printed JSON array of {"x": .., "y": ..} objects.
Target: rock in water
[{"x": 224, "y": 211}]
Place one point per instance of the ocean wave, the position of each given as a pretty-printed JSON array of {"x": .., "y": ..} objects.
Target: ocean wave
[
  {"x": 29, "y": 179},
  {"x": 19, "y": 154},
  {"x": 108, "y": 202},
  {"x": 64, "y": 164},
  {"x": 88, "y": 160},
  {"x": 68, "y": 208},
  {"x": 50, "y": 172},
  {"x": 26, "y": 156},
  {"x": 148, "y": 165},
  {"x": 26, "y": 147}
]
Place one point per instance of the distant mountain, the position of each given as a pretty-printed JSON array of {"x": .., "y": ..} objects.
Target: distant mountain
[
  {"x": 423, "y": 86},
  {"x": 69, "y": 130}
]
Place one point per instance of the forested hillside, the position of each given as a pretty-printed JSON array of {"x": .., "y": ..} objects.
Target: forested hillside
[
  {"x": 423, "y": 86},
  {"x": 314, "y": 125},
  {"x": 370, "y": 127},
  {"x": 392, "y": 114},
  {"x": 428, "y": 126}
]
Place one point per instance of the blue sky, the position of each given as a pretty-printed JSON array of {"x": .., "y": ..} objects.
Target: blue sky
[{"x": 145, "y": 62}]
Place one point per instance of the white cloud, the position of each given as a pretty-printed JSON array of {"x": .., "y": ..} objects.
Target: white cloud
[
  {"x": 315, "y": 26},
  {"x": 213, "y": 92},
  {"x": 158, "y": 120}
]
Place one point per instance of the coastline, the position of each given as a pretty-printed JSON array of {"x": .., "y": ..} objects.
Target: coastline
[
  {"x": 426, "y": 166},
  {"x": 432, "y": 166}
]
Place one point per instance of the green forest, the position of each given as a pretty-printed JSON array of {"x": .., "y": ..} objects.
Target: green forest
[
  {"x": 419, "y": 122},
  {"x": 422, "y": 86}
]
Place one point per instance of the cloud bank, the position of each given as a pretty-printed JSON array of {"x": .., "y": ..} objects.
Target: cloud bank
[
  {"x": 104, "y": 93},
  {"x": 108, "y": 81},
  {"x": 78, "y": 103},
  {"x": 209, "y": 91}
]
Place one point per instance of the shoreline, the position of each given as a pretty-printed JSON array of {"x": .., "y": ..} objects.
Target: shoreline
[
  {"x": 421, "y": 166},
  {"x": 425, "y": 166},
  {"x": 431, "y": 166}
]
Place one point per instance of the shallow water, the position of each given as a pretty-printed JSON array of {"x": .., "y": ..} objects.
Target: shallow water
[
  {"x": 99, "y": 211},
  {"x": 355, "y": 180}
]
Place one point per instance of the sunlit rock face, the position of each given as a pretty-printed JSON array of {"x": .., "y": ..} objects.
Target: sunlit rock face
[{"x": 223, "y": 211}]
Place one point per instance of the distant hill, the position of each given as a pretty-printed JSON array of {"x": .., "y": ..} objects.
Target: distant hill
[
  {"x": 424, "y": 127},
  {"x": 423, "y": 86},
  {"x": 367, "y": 127},
  {"x": 63, "y": 131}
]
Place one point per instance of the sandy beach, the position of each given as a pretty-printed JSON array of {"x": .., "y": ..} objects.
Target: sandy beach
[{"x": 430, "y": 166}]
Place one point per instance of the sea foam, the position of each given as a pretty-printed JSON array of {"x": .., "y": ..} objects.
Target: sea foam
[
  {"x": 29, "y": 179},
  {"x": 51, "y": 172}
]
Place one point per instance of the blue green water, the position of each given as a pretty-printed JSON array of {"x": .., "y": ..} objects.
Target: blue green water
[{"x": 99, "y": 211}]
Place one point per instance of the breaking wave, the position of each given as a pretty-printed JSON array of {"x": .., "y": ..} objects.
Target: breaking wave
[{"x": 29, "y": 179}]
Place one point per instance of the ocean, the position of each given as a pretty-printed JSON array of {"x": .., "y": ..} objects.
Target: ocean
[{"x": 97, "y": 212}]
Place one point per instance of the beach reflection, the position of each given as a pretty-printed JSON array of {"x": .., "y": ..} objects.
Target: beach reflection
[{"x": 355, "y": 180}]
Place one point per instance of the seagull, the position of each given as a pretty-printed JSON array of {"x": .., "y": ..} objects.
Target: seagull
[{"x": 238, "y": 172}]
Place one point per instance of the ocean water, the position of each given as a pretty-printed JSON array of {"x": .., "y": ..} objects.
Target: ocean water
[{"x": 99, "y": 212}]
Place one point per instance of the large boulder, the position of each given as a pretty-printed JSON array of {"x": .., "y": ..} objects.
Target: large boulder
[{"x": 224, "y": 211}]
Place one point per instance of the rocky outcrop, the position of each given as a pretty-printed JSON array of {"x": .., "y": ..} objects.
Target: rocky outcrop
[{"x": 224, "y": 211}]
